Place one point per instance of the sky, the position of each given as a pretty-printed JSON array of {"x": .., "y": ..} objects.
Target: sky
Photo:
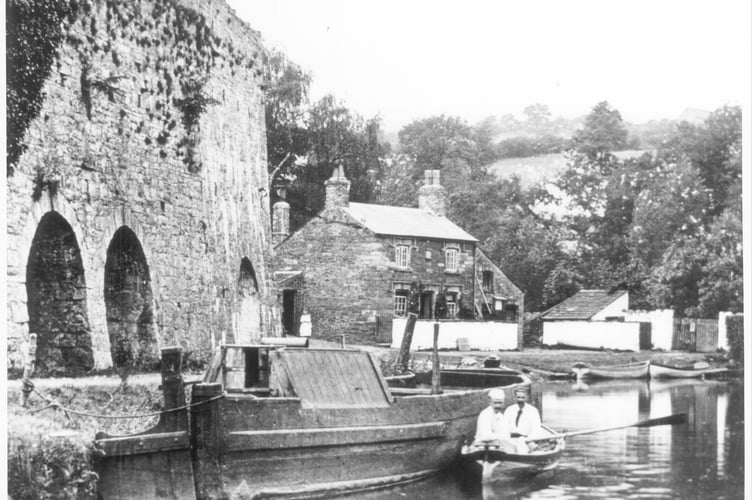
[{"x": 411, "y": 59}]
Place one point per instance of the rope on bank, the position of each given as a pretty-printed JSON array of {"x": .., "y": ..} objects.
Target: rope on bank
[{"x": 55, "y": 404}]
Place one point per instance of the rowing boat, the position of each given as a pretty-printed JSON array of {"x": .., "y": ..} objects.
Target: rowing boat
[
  {"x": 635, "y": 370},
  {"x": 665, "y": 371},
  {"x": 498, "y": 464},
  {"x": 271, "y": 421}
]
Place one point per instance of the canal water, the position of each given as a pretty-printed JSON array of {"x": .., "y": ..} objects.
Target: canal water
[{"x": 703, "y": 459}]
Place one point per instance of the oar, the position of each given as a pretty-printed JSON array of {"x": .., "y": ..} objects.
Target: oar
[{"x": 677, "y": 418}]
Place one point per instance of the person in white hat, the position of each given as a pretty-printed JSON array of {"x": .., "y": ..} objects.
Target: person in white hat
[
  {"x": 523, "y": 420},
  {"x": 491, "y": 427}
]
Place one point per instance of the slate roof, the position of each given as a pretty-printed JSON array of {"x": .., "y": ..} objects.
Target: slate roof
[
  {"x": 407, "y": 222},
  {"x": 583, "y": 305}
]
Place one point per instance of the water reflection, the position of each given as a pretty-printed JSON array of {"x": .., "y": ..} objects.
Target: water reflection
[{"x": 702, "y": 459}]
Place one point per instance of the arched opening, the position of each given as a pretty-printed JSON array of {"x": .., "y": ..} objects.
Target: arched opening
[
  {"x": 56, "y": 300},
  {"x": 249, "y": 312},
  {"x": 129, "y": 302}
]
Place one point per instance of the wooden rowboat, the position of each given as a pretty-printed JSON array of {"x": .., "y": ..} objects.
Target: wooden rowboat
[
  {"x": 271, "y": 421},
  {"x": 498, "y": 464},
  {"x": 700, "y": 369},
  {"x": 627, "y": 371}
]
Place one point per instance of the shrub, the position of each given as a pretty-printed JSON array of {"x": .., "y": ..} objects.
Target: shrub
[{"x": 45, "y": 462}]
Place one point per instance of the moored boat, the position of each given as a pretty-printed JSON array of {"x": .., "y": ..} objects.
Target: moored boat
[
  {"x": 635, "y": 370},
  {"x": 475, "y": 377},
  {"x": 498, "y": 464},
  {"x": 699, "y": 370},
  {"x": 284, "y": 421}
]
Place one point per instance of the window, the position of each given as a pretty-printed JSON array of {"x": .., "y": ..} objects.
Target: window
[
  {"x": 402, "y": 256},
  {"x": 488, "y": 281},
  {"x": 400, "y": 302},
  {"x": 452, "y": 260},
  {"x": 451, "y": 304}
]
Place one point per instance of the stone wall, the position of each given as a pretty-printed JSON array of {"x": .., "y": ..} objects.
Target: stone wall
[
  {"x": 349, "y": 275},
  {"x": 346, "y": 276},
  {"x": 503, "y": 286},
  {"x": 151, "y": 119}
]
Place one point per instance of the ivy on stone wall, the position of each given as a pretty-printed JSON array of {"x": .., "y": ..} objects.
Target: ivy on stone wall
[
  {"x": 33, "y": 32},
  {"x": 178, "y": 46}
]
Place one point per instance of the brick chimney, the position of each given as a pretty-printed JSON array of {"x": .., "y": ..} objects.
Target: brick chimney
[
  {"x": 432, "y": 195},
  {"x": 337, "y": 189},
  {"x": 280, "y": 219}
]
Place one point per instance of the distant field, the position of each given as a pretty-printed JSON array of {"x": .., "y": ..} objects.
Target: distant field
[{"x": 536, "y": 169}]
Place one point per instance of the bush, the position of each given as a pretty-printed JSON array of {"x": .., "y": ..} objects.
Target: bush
[
  {"x": 735, "y": 337},
  {"x": 44, "y": 462}
]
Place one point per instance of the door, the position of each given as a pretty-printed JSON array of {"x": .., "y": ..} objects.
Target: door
[
  {"x": 288, "y": 311},
  {"x": 426, "y": 305}
]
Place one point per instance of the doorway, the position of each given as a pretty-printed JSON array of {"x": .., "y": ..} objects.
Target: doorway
[{"x": 288, "y": 311}]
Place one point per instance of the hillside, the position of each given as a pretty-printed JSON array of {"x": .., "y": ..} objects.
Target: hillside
[{"x": 536, "y": 169}]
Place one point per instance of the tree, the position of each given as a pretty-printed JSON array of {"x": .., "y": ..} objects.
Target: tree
[
  {"x": 285, "y": 97},
  {"x": 714, "y": 149},
  {"x": 537, "y": 116},
  {"x": 395, "y": 186},
  {"x": 603, "y": 132},
  {"x": 334, "y": 135},
  {"x": 444, "y": 143}
]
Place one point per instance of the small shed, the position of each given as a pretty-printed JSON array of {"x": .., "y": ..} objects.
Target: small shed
[{"x": 595, "y": 319}]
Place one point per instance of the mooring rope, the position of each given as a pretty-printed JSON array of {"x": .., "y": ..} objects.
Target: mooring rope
[{"x": 55, "y": 404}]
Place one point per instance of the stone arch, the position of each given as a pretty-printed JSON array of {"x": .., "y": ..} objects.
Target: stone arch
[
  {"x": 129, "y": 302},
  {"x": 249, "y": 304},
  {"x": 56, "y": 299}
]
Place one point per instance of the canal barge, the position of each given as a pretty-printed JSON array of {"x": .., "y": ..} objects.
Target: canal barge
[{"x": 281, "y": 421}]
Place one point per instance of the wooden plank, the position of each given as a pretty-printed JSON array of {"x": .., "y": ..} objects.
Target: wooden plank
[
  {"x": 382, "y": 380},
  {"x": 145, "y": 443},
  {"x": 332, "y": 436}
]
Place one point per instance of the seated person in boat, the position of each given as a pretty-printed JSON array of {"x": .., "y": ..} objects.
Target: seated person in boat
[
  {"x": 492, "y": 428},
  {"x": 523, "y": 421}
]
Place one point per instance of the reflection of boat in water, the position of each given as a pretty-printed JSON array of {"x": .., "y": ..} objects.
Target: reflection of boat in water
[
  {"x": 635, "y": 370},
  {"x": 501, "y": 465},
  {"x": 280, "y": 421},
  {"x": 698, "y": 370}
]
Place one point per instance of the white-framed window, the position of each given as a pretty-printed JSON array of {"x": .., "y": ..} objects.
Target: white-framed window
[
  {"x": 402, "y": 256},
  {"x": 452, "y": 260},
  {"x": 452, "y": 296},
  {"x": 451, "y": 308},
  {"x": 400, "y": 302}
]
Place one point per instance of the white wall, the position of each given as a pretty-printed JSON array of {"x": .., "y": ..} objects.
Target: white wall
[
  {"x": 662, "y": 325},
  {"x": 616, "y": 308},
  {"x": 593, "y": 334},
  {"x": 481, "y": 335},
  {"x": 722, "y": 338}
]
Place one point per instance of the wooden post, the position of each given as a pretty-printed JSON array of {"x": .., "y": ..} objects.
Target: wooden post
[
  {"x": 342, "y": 341},
  {"x": 206, "y": 440},
  {"x": 436, "y": 371},
  {"x": 173, "y": 390},
  {"x": 407, "y": 338},
  {"x": 31, "y": 356}
]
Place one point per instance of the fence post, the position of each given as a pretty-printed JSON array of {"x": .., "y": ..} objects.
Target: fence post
[
  {"x": 31, "y": 356},
  {"x": 407, "y": 338},
  {"x": 436, "y": 368},
  {"x": 207, "y": 440},
  {"x": 173, "y": 390}
]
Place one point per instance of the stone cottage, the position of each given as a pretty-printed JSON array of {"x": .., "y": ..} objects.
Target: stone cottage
[
  {"x": 352, "y": 266},
  {"x": 137, "y": 208}
]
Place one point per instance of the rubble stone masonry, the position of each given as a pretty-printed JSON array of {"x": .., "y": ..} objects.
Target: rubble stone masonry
[{"x": 142, "y": 188}]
